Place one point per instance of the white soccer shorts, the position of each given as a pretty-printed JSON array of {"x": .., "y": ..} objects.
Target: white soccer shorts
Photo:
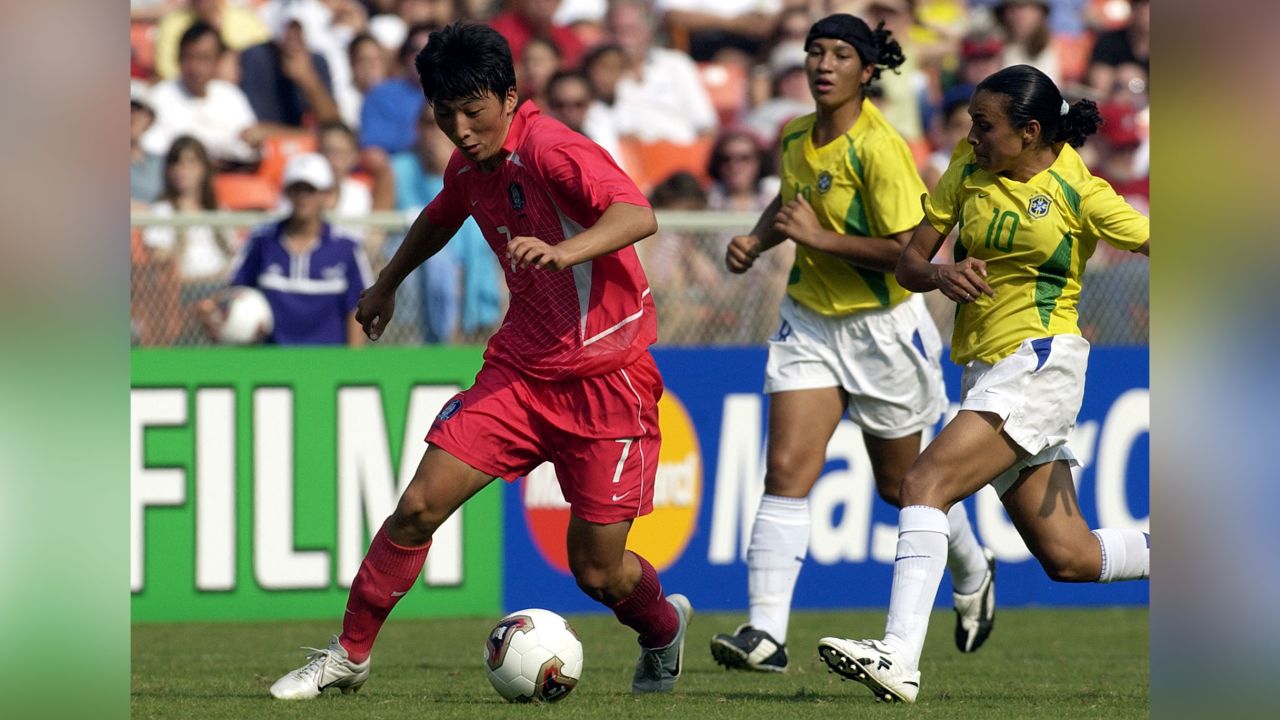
[
  {"x": 887, "y": 360},
  {"x": 1037, "y": 391}
]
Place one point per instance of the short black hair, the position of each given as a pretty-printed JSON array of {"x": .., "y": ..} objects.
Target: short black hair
[
  {"x": 198, "y": 30},
  {"x": 465, "y": 60}
]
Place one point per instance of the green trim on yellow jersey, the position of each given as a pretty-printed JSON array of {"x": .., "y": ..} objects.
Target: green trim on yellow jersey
[
  {"x": 1035, "y": 237},
  {"x": 863, "y": 183}
]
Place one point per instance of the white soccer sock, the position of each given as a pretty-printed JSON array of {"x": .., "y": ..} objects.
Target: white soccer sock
[
  {"x": 1126, "y": 554},
  {"x": 779, "y": 544},
  {"x": 917, "y": 571},
  {"x": 964, "y": 555}
]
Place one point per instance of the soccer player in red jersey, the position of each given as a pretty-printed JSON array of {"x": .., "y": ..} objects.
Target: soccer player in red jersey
[{"x": 567, "y": 378}]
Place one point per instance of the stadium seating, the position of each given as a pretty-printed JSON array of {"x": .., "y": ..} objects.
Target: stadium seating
[
  {"x": 1073, "y": 56},
  {"x": 142, "y": 42},
  {"x": 652, "y": 162},
  {"x": 238, "y": 191},
  {"x": 726, "y": 83},
  {"x": 276, "y": 151}
]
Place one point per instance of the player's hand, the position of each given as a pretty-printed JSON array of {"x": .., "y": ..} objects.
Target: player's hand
[
  {"x": 964, "y": 281},
  {"x": 374, "y": 310},
  {"x": 742, "y": 253},
  {"x": 524, "y": 251},
  {"x": 798, "y": 221}
]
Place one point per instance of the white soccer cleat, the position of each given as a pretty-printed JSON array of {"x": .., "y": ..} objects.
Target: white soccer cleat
[
  {"x": 976, "y": 611},
  {"x": 874, "y": 664},
  {"x": 324, "y": 669}
]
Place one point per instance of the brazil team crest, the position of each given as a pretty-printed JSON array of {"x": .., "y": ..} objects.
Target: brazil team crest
[
  {"x": 824, "y": 181},
  {"x": 1039, "y": 206}
]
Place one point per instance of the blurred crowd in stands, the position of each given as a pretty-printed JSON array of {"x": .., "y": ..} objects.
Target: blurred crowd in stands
[{"x": 688, "y": 96}]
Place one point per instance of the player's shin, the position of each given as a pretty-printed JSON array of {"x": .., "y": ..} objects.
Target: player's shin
[
  {"x": 647, "y": 611},
  {"x": 386, "y": 574},
  {"x": 779, "y": 544},
  {"x": 1126, "y": 554},
  {"x": 917, "y": 572}
]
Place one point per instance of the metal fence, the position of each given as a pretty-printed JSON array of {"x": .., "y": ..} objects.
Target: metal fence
[{"x": 179, "y": 260}]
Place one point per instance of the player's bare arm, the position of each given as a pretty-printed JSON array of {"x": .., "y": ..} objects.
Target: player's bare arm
[
  {"x": 962, "y": 282},
  {"x": 378, "y": 301},
  {"x": 743, "y": 250},
  {"x": 799, "y": 222},
  {"x": 622, "y": 224}
]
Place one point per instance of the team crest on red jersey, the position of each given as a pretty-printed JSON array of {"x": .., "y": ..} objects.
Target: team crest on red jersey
[
  {"x": 516, "y": 193},
  {"x": 450, "y": 409}
]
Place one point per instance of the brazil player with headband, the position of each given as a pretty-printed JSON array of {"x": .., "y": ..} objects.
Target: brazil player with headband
[
  {"x": 1030, "y": 215},
  {"x": 851, "y": 339},
  {"x": 568, "y": 378}
]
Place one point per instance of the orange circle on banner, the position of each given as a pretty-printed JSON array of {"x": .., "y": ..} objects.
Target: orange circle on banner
[{"x": 662, "y": 535}]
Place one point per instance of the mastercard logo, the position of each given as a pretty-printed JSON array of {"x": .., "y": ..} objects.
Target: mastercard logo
[{"x": 662, "y": 535}]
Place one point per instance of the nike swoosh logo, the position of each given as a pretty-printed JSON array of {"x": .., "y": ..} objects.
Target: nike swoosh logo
[
  {"x": 398, "y": 594},
  {"x": 616, "y": 498}
]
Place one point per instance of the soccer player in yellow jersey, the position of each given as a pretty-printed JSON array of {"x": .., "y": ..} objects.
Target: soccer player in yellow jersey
[
  {"x": 852, "y": 340},
  {"x": 1030, "y": 214}
]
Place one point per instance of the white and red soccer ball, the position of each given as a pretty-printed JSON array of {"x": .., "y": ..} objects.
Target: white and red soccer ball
[
  {"x": 244, "y": 316},
  {"x": 533, "y": 656}
]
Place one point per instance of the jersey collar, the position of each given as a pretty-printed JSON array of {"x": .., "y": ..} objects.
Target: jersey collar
[
  {"x": 326, "y": 232},
  {"x": 519, "y": 126}
]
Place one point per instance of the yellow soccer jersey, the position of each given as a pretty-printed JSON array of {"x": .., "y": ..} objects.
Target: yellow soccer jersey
[
  {"x": 1035, "y": 238},
  {"x": 862, "y": 183}
]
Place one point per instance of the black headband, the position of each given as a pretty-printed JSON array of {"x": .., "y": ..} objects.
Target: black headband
[{"x": 850, "y": 29}]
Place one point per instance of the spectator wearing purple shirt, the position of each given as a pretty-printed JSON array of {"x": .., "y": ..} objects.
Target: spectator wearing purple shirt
[{"x": 311, "y": 276}]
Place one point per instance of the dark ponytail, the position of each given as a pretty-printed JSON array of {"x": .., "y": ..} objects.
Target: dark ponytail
[
  {"x": 1033, "y": 96},
  {"x": 888, "y": 51},
  {"x": 1081, "y": 121}
]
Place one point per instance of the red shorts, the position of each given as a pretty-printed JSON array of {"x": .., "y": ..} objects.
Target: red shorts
[{"x": 600, "y": 433}]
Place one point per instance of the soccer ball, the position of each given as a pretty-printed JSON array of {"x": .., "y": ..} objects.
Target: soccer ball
[
  {"x": 533, "y": 656},
  {"x": 246, "y": 316}
]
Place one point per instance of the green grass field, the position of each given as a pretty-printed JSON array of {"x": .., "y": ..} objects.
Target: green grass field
[{"x": 1039, "y": 663}]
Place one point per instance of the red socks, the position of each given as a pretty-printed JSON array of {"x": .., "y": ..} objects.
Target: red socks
[
  {"x": 647, "y": 611},
  {"x": 387, "y": 573}
]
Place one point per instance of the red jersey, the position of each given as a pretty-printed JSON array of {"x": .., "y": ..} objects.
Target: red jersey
[{"x": 595, "y": 317}]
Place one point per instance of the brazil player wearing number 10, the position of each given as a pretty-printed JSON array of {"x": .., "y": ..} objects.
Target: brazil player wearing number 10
[
  {"x": 1030, "y": 216},
  {"x": 851, "y": 340},
  {"x": 567, "y": 378}
]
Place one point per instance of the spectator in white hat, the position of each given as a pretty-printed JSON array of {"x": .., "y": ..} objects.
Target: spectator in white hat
[{"x": 311, "y": 274}]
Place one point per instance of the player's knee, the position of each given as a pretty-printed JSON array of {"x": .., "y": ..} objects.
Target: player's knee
[
  {"x": 597, "y": 582},
  {"x": 418, "y": 514},
  {"x": 786, "y": 474},
  {"x": 1063, "y": 562},
  {"x": 890, "y": 492},
  {"x": 918, "y": 487}
]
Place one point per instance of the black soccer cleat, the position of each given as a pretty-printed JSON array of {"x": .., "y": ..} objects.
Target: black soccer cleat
[{"x": 749, "y": 649}]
